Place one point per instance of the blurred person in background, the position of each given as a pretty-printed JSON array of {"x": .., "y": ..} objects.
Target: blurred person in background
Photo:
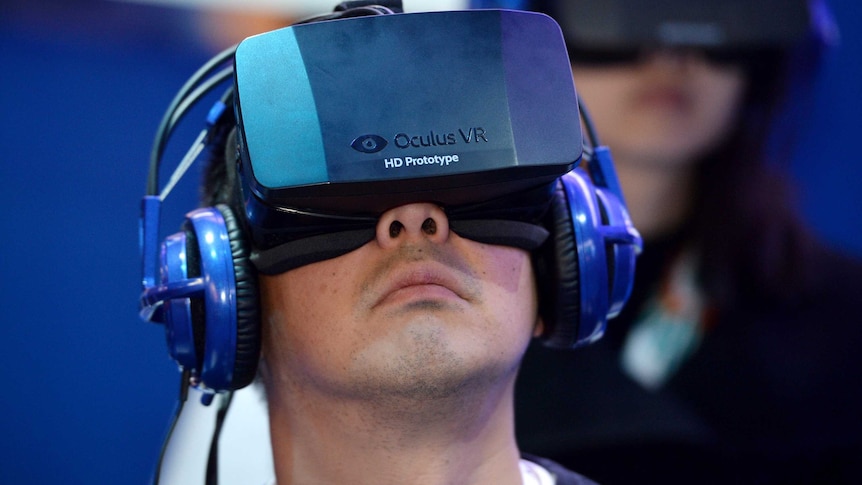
[{"x": 737, "y": 359}]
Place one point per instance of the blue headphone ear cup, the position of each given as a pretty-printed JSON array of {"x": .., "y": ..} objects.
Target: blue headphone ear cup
[
  {"x": 196, "y": 311},
  {"x": 577, "y": 262},
  {"x": 247, "y": 303},
  {"x": 225, "y": 320},
  {"x": 184, "y": 345},
  {"x": 558, "y": 275}
]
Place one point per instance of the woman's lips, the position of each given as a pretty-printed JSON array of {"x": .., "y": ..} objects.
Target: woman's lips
[{"x": 666, "y": 96}]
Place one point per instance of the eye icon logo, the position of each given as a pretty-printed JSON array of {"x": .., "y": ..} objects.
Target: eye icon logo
[{"x": 369, "y": 143}]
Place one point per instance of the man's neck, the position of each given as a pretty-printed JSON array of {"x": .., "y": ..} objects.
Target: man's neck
[{"x": 444, "y": 441}]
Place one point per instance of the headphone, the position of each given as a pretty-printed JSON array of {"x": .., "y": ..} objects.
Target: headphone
[{"x": 201, "y": 284}]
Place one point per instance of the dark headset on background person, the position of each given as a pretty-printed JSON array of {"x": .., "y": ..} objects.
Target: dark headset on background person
[
  {"x": 758, "y": 35},
  {"x": 311, "y": 177},
  {"x": 609, "y": 31}
]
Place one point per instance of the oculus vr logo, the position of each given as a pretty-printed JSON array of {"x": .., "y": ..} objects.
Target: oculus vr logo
[
  {"x": 375, "y": 143},
  {"x": 369, "y": 143}
]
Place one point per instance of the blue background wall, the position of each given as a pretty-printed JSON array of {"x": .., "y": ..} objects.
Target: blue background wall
[{"x": 87, "y": 388}]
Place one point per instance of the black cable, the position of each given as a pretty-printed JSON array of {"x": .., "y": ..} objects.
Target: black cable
[
  {"x": 170, "y": 118},
  {"x": 198, "y": 94},
  {"x": 589, "y": 128},
  {"x": 212, "y": 461},
  {"x": 184, "y": 394}
]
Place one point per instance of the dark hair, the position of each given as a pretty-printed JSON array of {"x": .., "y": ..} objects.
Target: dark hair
[
  {"x": 219, "y": 183},
  {"x": 752, "y": 240}
]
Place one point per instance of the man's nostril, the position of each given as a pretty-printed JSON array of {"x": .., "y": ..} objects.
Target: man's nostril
[
  {"x": 395, "y": 229},
  {"x": 429, "y": 226}
]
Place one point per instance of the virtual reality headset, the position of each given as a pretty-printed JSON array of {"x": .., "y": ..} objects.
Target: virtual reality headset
[
  {"x": 339, "y": 120},
  {"x": 597, "y": 30}
]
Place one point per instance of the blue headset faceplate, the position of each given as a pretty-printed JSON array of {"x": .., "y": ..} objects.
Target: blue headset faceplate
[{"x": 476, "y": 103}]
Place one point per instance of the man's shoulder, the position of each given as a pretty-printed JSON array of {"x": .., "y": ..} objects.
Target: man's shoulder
[{"x": 561, "y": 474}]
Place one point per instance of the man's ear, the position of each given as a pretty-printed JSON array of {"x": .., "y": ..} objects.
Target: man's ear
[{"x": 539, "y": 329}]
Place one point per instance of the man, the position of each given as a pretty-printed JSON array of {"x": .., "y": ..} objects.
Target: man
[
  {"x": 399, "y": 357},
  {"x": 393, "y": 311}
]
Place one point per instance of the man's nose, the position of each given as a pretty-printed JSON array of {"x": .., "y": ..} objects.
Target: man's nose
[{"x": 412, "y": 223}]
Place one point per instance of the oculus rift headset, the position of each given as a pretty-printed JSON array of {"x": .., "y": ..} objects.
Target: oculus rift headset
[
  {"x": 338, "y": 119},
  {"x": 722, "y": 27}
]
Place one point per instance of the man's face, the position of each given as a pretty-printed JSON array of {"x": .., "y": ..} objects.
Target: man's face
[{"x": 418, "y": 312}]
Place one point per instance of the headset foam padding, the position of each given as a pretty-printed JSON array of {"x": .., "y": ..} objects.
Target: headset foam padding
[
  {"x": 558, "y": 275},
  {"x": 247, "y": 303},
  {"x": 577, "y": 265}
]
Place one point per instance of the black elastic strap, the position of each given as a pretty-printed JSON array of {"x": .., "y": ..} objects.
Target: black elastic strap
[
  {"x": 394, "y": 5},
  {"x": 294, "y": 254},
  {"x": 309, "y": 250},
  {"x": 516, "y": 234}
]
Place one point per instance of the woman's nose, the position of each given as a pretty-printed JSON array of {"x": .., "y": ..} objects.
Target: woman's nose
[
  {"x": 412, "y": 223},
  {"x": 670, "y": 58}
]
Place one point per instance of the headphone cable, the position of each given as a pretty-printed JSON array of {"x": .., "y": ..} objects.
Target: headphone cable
[
  {"x": 173, "y": 115},
  {"x": 184, "y": 394},
  {"x": 212, "y": 461}
]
